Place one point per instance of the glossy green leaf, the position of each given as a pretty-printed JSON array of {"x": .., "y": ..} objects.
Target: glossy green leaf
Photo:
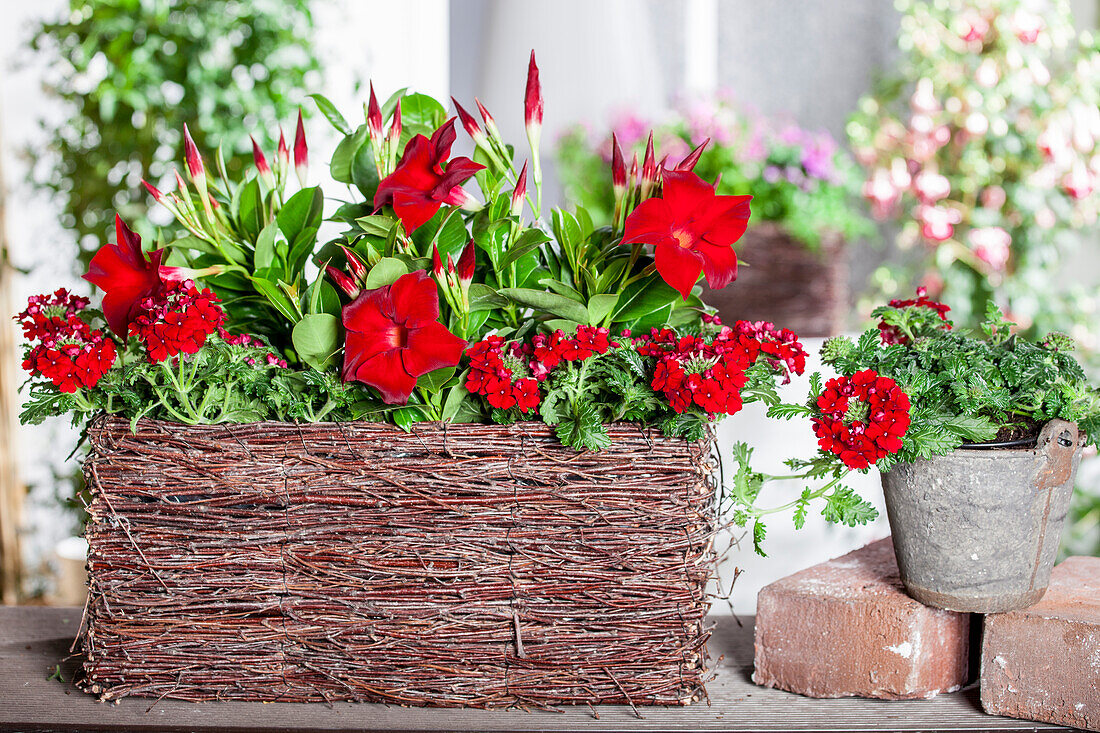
[
  {"x": 385, "y": 272},
  {"x": 316, "y": 338},
  {"x": 553, "y": 303},
  {"x": 599, "y": 306},
  {"x": 328, "y": 109}
]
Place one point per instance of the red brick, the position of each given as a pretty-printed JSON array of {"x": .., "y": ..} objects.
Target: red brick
[
  {"x": 846, "y": 628},
  {"x": 1043, "y": 663}
]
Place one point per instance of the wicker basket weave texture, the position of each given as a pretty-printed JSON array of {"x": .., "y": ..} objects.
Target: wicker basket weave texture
[{"x": 455, "y": 565}]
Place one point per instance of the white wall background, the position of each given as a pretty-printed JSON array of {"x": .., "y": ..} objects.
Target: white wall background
[{"x": 808, "y": 60}]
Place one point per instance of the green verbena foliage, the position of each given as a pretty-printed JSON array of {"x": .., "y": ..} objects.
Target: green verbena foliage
[
  {"x": 221, "y": 383},
  {"x": 132, "y": 72}
]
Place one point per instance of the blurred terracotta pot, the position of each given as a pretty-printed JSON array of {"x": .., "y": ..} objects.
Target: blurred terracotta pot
[{"x": 787, "y": 284}]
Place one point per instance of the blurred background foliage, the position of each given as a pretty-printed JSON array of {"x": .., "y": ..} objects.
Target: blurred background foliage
[{"x": 130, "y": 74}]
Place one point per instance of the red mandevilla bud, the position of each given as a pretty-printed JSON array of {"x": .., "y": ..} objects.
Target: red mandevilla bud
[
  {"x": 490, "y": 123},
  {"x": 469, "y": 123},
  {"x": 195, "y": 168},
  {"x": 437, "y": 262},
  {"x": 618, "y": 166},
  {"x": 520, "y": 191},
  {"x": 283, "y": 152},
  {"x": 450, "y": 265},
  {"x": 532, "y": 98},
  {"x": 358, "y": 269},
  {"x": 156, "y": 194},
  {"x": 261, "y": 164},
  {"x": 395, "y": 125},
  {"x": 466, "y": 263},
  {"x": 343, "y": 281},
  {"x": 301, "y": 152},
  {"x": 374, "y": 116},
  {"x": 649, "y": 164}
]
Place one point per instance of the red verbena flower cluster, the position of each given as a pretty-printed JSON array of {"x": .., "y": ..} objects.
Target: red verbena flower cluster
[
  {"x": 893, "y": 335},
  {"x": 70, "y": 353},
  {"x": 546, "y": 351},
  {"x": 177, "y": 321},
  {"x": 780, "y": 346},
  {"x": 692, "y": 370},
  {"x": 863, "y": 418},
  {"x": 493, "y": 373}
]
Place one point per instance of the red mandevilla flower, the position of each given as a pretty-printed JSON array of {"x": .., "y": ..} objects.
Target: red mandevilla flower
[
  {"x": 863, "y": 418},
  {"x": 419, "y": 185},
  {"x": 393, "y": 336},
  {"x": 893, "y": 335},
  {"x": 177, "y": 321},
  {"x": 127, "y": 276},
  {"x": 692, "y": 231}
]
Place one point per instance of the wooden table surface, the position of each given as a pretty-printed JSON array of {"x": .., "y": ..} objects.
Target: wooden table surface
[{"x": 34, "y": 639}]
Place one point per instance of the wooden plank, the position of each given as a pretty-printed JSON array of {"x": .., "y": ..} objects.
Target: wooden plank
[{"x": 33, "y": 640}]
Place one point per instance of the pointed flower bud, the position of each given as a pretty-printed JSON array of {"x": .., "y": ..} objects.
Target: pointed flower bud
[
  {"x": 688, "y": 163},
  {"x": 437, "y": 262},
  {"x": 154, "y": 192},
  {"x": 649, "y": 164},
  {"x": 195, "y": 168},
  {"x": 358, "y": 269},
  {"x": 466, "y": 262},
  {"x": 283, "y": 154},
  {"x": 343, "y": 281},
  {"x": 450, "y": 265},
  {"x": 618, "y": 166},
  {"x": 520, "y": 191},
  {"x": 374, "y": 116},
  {"x": 469, "y": 123},
  {"x": 532, "y": 98},
  {"x": 490, "y": 123},
  {"x": 301, "y": 152},
  {"x": 395, "y": 126},
  {"x": 261, "y": 164}
]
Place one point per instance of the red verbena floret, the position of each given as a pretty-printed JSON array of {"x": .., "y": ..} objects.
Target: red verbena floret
[
  {"x": 781, "y": 346},
  {"x": 893, "y": 335},
  {"x": 493, "y": 375},
  {"x": 178, "y": 321},
  {"x": 44, "y": 312},
  {"x": 863, "y": 417}
]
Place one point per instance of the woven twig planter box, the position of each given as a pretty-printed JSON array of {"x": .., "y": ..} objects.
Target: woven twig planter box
[
  {"x": 785, "y": 283},
  {"x": 457, "y": 565}
]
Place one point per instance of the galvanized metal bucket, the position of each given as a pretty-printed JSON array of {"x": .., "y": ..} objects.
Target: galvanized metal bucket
[{"x": 978, "y": 529}]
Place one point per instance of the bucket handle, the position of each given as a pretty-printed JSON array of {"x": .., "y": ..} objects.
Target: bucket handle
[{"x": 1058, "y": 441}]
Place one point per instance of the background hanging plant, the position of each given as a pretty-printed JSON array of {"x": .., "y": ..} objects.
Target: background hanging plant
[
  {"x": 132, "y": 72},
  {"x": 983, "y": 148}
]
